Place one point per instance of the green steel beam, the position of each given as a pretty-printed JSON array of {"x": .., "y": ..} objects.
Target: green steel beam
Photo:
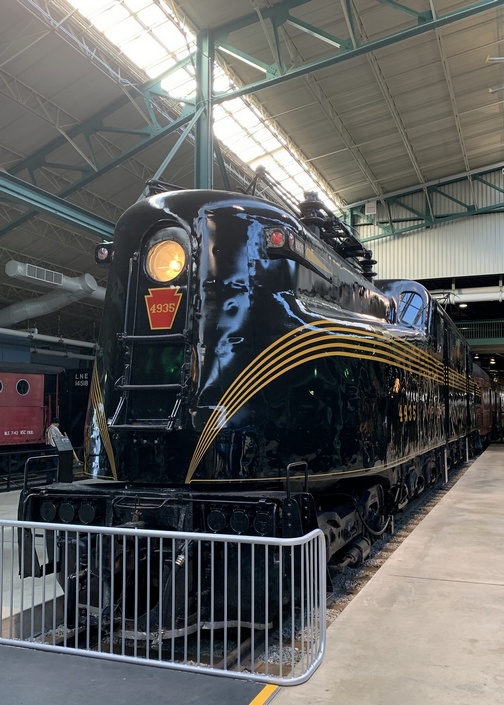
[
  {"x": 267, "y": 13},
  {"x": 425, "y": 23},
  {"x": 15, "y": 189},
  {"x": 203, "y": 149},
  {"x": 426, "y": 218},
  {"x": 90, "y": 175},
  {"x": 151, "y": 93}
]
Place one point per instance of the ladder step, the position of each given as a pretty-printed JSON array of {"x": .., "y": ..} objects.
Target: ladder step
[
  {"x": 134, "y": 387},
  {"x": 142, "y": 426}
]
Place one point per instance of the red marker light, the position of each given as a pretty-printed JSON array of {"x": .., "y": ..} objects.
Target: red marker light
[{"x": 276, "y": 238}]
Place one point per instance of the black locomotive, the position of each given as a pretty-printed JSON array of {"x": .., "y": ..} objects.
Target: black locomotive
[{"x": 253, "y": 380}]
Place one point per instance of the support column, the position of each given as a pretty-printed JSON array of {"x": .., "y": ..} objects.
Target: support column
[{"x": 203, "y": 148}]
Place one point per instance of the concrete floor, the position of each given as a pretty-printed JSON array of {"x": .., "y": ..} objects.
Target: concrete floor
[{"x": 429, "y": 626}]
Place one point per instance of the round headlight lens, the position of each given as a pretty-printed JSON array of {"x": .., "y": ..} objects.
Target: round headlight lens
[{"x": 165, "y": 260}]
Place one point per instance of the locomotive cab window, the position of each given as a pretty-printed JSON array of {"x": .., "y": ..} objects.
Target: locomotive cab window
[{"x": 411, "y": 309}]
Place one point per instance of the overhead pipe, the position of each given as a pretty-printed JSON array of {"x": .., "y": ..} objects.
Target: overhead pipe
[
  {"x": 46, "y": 338},
  {"x": 62, "y": 353},
  {"x": 473, "y": 295}
]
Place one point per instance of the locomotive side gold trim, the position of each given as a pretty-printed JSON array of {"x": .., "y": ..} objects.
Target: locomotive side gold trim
[
  {"x": 376, "y": 469},
  {"x": 310, "y": 342},
  {"x": 98, "y": 406}
]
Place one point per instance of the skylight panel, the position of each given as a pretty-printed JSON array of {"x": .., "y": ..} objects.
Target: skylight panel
[
  {"x": 151, "y": 16},
  {"x": 155, "y": 40},
  {"x": 144, "y": 51},
  {"x": 88, "y": 8},
  {"x": 161, "y": 67},
  {"x": 124, "y": 31},
  {"x": 231, "y": 133},
  {"x": 248, "y": 119},
  {"x": 277, "y": 171},
  {"x": 172, "y": 39},
  {"x": 306, "y": 181},
  {"x": 234, "y": 105},
  {"x": 253, "y": 150},
  {"x": 290, "y": 164},
  {"x": 266, "y": 161},
  {"x": 292, "y": 187},
  {"x": 109, "y": 18},
  {"x": 267, "y": 138},
  {"x": 221, "y": 83},
  {"x": 226, "y": 126},
  {"x": 133, "y": 5},
  {"x": 181, "y": 84}
]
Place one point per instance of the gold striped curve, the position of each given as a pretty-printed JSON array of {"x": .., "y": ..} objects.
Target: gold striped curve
[
  {"x": 330, "y": 348},
  {"x": 272, "y": 353},
  {"x": 256, "y": 376},
  {"x": 347, "y": 344},
  {"x": 98, "y": 406}
]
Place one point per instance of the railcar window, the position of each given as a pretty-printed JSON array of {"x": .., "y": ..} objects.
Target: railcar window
[
  {"x": 22, "y": 387},
  {"x": 411, "y": 308}
]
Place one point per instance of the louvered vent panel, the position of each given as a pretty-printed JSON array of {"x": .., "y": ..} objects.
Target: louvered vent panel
[{"x": 44, "y": 275}]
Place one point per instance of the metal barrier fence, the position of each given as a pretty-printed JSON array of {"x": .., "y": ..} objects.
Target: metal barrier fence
[{"x": 240, "y": 606}]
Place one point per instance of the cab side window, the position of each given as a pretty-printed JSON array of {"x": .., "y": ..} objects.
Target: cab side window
[{"x": 411, "y": 309}]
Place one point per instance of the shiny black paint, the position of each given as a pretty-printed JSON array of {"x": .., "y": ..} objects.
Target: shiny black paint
[
  {"x": 357, "y": 407},
  {"x": 276, "y": 356}
]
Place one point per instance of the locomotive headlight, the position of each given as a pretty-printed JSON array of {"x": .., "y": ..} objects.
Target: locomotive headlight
[{"x": 165, "y": 260}]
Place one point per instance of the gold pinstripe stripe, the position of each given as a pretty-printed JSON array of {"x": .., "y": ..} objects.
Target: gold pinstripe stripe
[
  {"x": 98, "y": 406},
  {"x": 339, "y": 473},
  {"x": 297, "y": 347},
  {"x": 256, "y": 367}
]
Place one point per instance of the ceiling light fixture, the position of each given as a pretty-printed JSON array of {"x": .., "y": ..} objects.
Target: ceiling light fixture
[{"x": 494, "y": 58}]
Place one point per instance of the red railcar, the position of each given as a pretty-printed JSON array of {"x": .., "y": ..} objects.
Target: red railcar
[
  {"x": 23, "y": 413},
  {"x": 29, "y": 397}
]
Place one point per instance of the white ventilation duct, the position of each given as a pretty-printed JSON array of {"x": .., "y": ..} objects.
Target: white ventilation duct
[
  {"x": 459, "y": 296},
  {"x": 68, "y": 290}
]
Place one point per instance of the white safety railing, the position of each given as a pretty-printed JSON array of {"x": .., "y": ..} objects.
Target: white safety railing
[{"x": 241, "y": 606}]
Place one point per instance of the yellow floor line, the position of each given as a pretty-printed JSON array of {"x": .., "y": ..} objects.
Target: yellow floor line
[{"x": 263, "y": 696}]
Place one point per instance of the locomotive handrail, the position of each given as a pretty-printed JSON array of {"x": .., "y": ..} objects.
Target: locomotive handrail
[
  {"x": 54, "y": 458},
  {"x": 172, "y": 337}
]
